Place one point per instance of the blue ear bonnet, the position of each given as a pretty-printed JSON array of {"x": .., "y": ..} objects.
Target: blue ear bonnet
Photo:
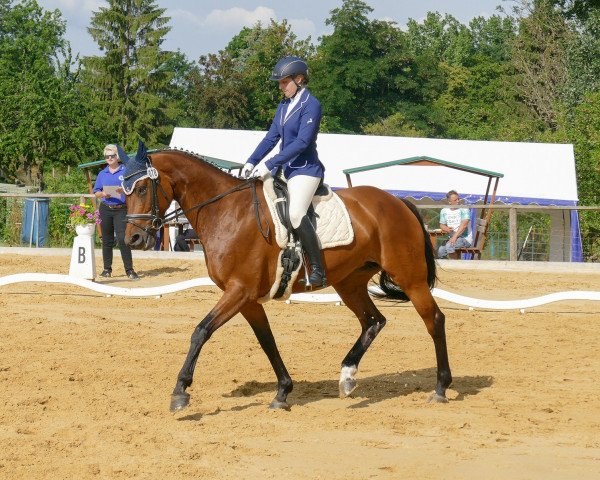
[
  {"x": 136, "y": 169},
  {"x": 122, "y": 155}
]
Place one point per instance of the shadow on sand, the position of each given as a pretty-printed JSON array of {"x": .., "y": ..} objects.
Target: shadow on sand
[{"x": 372, "y": 389}]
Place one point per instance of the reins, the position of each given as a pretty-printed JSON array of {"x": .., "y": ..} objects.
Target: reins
[
  {"x": 157, "y": 222},
  {"x": 258, "y": 211}
]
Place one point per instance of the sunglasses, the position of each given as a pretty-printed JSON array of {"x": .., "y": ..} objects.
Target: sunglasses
[{"x": 114, "y": 155}]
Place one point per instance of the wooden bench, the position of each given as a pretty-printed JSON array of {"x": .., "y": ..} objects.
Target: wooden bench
[
  {"x": 481, "y": 226},
  {"x": 191, "y": 242}
]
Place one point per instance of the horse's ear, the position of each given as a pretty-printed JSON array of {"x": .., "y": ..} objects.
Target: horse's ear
[
  {"x": 122, "y": 155},
  {"x": 141, "y": 152}
]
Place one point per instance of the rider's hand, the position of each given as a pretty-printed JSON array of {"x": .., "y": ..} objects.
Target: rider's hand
[
  {"x": 246, "y": 170},
  {"x": 261, "y": 170}
]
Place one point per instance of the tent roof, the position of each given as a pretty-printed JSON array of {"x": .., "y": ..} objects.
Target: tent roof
[
  {"x": 539, "y": 173},
  {"x": 424, "y": 161}
]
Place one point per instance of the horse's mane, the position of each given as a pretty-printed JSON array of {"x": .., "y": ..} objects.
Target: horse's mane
[{"x": 194, "y": 156}]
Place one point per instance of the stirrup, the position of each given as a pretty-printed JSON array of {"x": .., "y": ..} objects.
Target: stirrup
[{"x": 311, "y": 286}]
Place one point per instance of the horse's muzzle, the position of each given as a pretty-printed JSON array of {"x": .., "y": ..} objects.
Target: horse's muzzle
[{"x": 141, "y": 241}]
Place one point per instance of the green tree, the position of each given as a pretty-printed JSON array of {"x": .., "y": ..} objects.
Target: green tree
[
  {"x": 131, "y": 83},
  {"x": 177, "y": 92},
  {"x": 443, "y": 38},
  {"x": 585, "y": 135},
  {"x": 493, "y": 37},
  {"x": 481, "y": 100},
  {"x": 395, "y": 125},
  {"x": 539, "y": 57},
  {"x": 217, "y": 94},
  {"x": 232, "y": 89},
  {"x": 580, "y": 9},
  {"x": 361, "y": 71},
  {"x": 43, "y": 114},
  {"x": 583, "y": 61}
]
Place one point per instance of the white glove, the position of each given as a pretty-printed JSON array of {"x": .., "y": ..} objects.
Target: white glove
[
  {"x": 246, "y": 170},
  {"x": 261, "y": 170}
]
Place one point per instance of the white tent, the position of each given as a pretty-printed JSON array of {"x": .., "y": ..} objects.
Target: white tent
[{"x": 534, "y": 173}]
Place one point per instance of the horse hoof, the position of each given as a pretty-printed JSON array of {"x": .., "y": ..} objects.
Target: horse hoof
[
  {"x": 347, "y": 386},
  {"x": 277, "y": 405},
  {"x": 179, "y": 401},
  {"x": 436, "y": 398}
]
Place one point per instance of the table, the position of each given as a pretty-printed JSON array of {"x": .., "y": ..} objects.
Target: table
[{"x": 433, "y": 235}]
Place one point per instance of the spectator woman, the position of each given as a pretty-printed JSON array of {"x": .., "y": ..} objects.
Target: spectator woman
[{"x": 113, "y": 212}]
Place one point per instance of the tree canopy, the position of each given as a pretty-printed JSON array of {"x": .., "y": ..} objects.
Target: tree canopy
[
  {"x": 531, "y": 74},
  {"x": 132, "y": 81}
]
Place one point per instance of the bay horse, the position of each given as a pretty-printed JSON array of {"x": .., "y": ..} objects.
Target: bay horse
[{"x": 235, "y": 228}]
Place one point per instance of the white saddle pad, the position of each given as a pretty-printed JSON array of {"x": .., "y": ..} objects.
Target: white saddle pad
[{"x": 334, "y": 227}]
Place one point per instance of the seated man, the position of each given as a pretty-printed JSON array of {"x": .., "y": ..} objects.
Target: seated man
[
  {"x": 180, "y": 241},
  {"x": 455, "y": 222},
  {"x": 187, "y": 232}
]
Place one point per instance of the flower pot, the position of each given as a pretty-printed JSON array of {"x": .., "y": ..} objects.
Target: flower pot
[{"x": 86, "y": 230}]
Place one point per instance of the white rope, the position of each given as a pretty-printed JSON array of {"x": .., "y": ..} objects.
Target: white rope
[
  {"x": 103, "y": 288},
  {"x": 297, "y": 297},
  {"x": 508, "y": 304}
]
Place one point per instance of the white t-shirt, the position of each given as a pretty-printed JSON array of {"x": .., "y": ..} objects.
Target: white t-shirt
[{"x": 454, "y": 217}]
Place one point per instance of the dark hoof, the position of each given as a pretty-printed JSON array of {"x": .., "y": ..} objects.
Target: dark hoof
[
  {"x": 436, "y": 398},
  {"x": 277, "y": 405},
  {"x": 347, "y": 387},
  {"x": 179, "y": 401}
]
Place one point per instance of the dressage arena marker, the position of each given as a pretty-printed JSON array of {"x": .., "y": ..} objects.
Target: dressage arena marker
[
  {"x": 83, "y": 260},
  {"x": 157, "y": 292}
]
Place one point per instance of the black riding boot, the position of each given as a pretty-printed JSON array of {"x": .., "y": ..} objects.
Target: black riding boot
[{"x": 310, "y": 244}]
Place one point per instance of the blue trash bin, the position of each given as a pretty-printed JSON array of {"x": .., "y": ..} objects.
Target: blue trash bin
[{"x": 34, "y": 229}]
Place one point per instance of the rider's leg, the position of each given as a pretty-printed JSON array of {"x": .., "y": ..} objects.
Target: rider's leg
[{"x": 301, "y": 189}]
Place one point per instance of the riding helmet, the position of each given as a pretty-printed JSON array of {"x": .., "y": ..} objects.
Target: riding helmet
[{"x": 289, "y": 66}]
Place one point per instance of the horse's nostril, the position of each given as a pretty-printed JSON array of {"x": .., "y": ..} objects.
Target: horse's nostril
[{"x": 135, "y": 238}]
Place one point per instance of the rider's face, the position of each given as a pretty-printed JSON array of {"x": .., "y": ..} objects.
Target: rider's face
[{"x": 288, "y": 87}]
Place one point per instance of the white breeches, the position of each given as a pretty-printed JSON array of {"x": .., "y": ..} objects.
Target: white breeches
[{"x": 302, "y": 189}]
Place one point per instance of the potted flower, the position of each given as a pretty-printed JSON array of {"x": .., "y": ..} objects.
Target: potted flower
[{"x": 84, "y": 218}]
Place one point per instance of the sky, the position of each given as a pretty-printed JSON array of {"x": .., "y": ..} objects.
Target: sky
[{"x": 199, "y": 27}]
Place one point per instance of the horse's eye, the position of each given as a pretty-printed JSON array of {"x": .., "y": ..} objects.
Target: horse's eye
[{"x": 142, "y": 190}]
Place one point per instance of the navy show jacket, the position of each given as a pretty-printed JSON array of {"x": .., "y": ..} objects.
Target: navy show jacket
[{"x": 298, "y": 134}]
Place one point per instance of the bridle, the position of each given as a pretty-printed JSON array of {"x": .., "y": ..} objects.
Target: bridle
[{"x": 157, "y": 222}]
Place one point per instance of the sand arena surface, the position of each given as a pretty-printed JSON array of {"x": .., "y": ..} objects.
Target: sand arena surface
[{"x": 86, "y": 383}]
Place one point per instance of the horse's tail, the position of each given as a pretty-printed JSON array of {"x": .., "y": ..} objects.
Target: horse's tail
[{"x": 387, "y": 285}]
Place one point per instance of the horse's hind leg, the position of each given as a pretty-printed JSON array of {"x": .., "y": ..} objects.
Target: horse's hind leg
[
  {"x": 255, "y": 315},
  {"x": 353, "y": 291},
  {"x": 435, "y": 322}
]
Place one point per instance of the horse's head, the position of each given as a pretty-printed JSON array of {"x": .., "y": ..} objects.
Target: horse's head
[{"x": 147, "y": 200}]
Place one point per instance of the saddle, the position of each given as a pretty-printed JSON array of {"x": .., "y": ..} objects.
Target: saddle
[
  {"x": 282, "y": 201},
  {"x": 327, "y": 213}
]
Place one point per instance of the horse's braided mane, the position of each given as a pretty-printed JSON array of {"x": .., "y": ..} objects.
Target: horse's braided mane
[{"x": 194, "y": 156}]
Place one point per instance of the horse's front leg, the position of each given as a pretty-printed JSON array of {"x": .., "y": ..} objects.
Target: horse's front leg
[
  {"x": 224, "y": 310},
  {"x": 255, "y": 314}
]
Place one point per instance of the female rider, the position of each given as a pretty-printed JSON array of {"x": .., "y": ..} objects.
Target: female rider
[{"x": 296, "y": 123}]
